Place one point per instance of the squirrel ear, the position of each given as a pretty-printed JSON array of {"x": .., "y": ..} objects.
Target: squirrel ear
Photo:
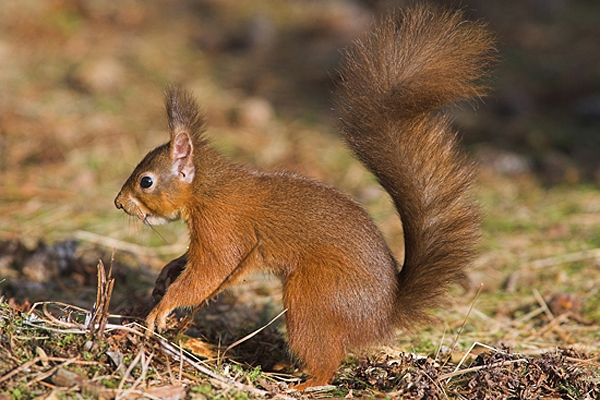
[{"x": 181, "y": 155}]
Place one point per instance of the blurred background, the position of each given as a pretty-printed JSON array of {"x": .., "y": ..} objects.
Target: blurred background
[{"x": 81, "y": 102}]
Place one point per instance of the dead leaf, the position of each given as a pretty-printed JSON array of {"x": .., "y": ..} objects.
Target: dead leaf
[
  {"x": 168, "y": 392},
  {"x": 199, "y": 348}
]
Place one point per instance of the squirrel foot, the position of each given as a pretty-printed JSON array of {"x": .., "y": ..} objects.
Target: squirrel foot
[{"x": 310, "y": 383}]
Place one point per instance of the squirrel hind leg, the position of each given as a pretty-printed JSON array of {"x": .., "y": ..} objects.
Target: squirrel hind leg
[
  {"x": 313, "y": 336},
  {"x": 321, "y": 358}
]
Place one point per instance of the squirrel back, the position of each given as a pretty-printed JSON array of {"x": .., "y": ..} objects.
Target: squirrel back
[
  {"x": 393, "y": 83},
  {"x": 342, "y": 287}
]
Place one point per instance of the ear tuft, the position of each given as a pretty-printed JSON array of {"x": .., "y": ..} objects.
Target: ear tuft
[{"x": 184, "y": 114}]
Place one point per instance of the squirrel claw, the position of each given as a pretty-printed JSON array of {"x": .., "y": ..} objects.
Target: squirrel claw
[{"x": 156, "y": 321}]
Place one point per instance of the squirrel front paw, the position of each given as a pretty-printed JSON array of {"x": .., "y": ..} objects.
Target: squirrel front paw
[{"x": 157, "y": 319}]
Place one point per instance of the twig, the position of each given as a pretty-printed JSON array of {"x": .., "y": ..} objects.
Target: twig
[
  {"x": 65, "y": 361},
  {"x": 104, "y": 290},
  {"x": 530, "y": 315},
  {"x": 252, "y": 334},
  {"x": 145, "y": 368},
  {"x": 20, "y": 368},
  {"x": 52, "y": 371},
  {"x": 38, "y": 321},
  {"x": 436, "y": 383},
  {"x": 439, "y": 349},
  {"x": 177, "y": 352},
  {"x": 171, "y": 350},
  {"x": 180, "y": 362},
  {"x": 57, "y": 321},
  {"x": 550, "y": 326},
  {"x": 584, "y": 361},
  {"x": 464, "y": 323},
  {"x": 563, "y": 258},
  {"x": 81, "y": 331},
  {"x": 543, "y": 304},
  {"x": 141, "y": 357},
  {"x": 450, "y": 375},
  {"x": 467, "y": 354},
  {"x": 134, "y": 362}
]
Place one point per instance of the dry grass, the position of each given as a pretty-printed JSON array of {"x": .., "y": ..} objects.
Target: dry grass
[
  {"x": 80, "y": 105},
  {"x": 58, "y": 350}
]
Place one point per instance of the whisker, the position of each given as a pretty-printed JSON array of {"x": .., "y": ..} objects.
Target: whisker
[{"x": 156, "y": 231}]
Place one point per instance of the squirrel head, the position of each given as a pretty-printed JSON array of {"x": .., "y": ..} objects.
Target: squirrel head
[{"x": 159, "y": 189}]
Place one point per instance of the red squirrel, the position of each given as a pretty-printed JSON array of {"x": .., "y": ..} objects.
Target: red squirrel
[{"x": 342, "y": 287}]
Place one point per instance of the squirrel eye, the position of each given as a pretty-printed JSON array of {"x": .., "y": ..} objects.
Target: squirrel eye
[{"x": 146, "y": 182}]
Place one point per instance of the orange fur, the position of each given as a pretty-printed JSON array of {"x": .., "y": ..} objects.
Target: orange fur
[{"x": 341, "y": 284}]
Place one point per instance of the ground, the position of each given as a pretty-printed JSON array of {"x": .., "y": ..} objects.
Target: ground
[{"x": 81, "y": 103}]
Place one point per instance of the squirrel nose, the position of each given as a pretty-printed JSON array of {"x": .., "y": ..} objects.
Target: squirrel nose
[{"x": 118, "y": 201}]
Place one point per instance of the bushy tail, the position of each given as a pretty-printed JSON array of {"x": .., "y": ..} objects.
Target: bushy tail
[{"x": 393, "y": 83}]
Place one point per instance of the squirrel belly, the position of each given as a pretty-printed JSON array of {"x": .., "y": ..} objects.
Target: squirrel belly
[{"x": 341, "y": 284}]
